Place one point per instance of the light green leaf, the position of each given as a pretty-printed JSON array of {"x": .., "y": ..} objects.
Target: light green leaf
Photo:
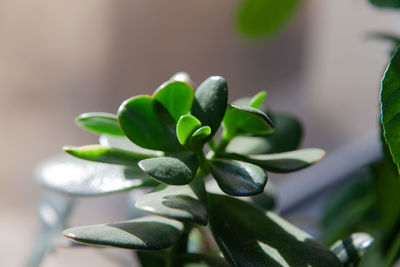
[
  {"x": 386, "y": 3},
  {"x": 148, "y": 124},
  {"x": 105, "y": 154},
  {"x": 68, "y": 175},
  {"x": 147, "y": 233},
  {"x": 255, "y": 238},
  {"x": 176, "y": 97},
  {"x": 263, "y": 18},
  {"x": 185, "y": 127},
  {"x": 183, "y": 203},
  {"x": 99, "y": 123},
  {"x": 175, "y": 169},
  {"x": 210, "y": 102},
  {"x": 257, "y": 100},
  {"x": 122, "y": 142},
  {"x": 199, "y": 137},
  {"x": 238, "y": 178},
  {"x": 241, "y": 119},
  {"x": 390, "y": 107}
]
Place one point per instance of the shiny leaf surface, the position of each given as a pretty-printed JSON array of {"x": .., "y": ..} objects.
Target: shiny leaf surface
[
  {"x": 351, "y": 249},
  {"x": 238, "y": 178},
  {"x": 147, "y": 233},
  {"x": 68, "y": 175},
  {"x": 210, "y": 102},
  {"x": 99, "y": 123},
  {"x": 176, "y": 169},
  {"x": 148, "y": 124},
  {"x": 254, "y": 238},
  {"x": 199, "y": 137},
  {"x": 185, "y": 127}
]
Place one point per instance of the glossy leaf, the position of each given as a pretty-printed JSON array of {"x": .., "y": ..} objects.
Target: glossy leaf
[
  {"x": 183, "y": 203},
  {"x": 287, "y": 137},
  {"x": 257, "y": 100},
  {"x": 148, "y": 124},
  {"x": 185, "y": 127},
  {"x": 241, "y": 119},
  {"x": 176, "y": 97},
  {"x": 99, "y": 123},
  {"x": 351, "y": 249},
  {"x": 68, "y": 175},
  {"x": 254, "y": 238},
  {"x": 238, "y": 178},
  {"x": 182, "y": 77},
  {"x": 147, "y": 233},
  {"x": 210, "y": 102},
  {"x": 386, "y": 3},
  {"x": 260, "y": 18},
  {"x": 390, "y": 107},
  {"x": 122, "y": 142},
  {"x": 199, "y": 137},
  {"x": 176, "y": 169},
  {"x": 105, "y": 154}
]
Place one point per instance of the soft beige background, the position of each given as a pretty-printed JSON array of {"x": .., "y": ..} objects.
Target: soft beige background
[{"x": 61, "y": 58}]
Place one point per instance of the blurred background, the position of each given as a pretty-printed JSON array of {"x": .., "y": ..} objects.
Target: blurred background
[{"x": 62, "y": 58}]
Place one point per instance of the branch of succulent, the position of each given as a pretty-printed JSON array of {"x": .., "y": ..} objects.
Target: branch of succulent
[{"x": 170, "y": 142}]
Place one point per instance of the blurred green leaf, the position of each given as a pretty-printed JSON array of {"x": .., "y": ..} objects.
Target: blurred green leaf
[
  {"x": 238, "y": 178},
  {"x": 105, "y": 154},
  {"x": 390, "y": 106},
  {"x": 240, "y": 120},
  {"x": 199, "y": 137},
  {"x": 282, "y": 162},
  {"x": 68, "y": 175},
  {"x": 148, "y": 124},
  {"x": 210, "y": 102},
  {"x": 386, "y": 3},
  {"x": 176, "y": 97},
  {"x": 122, "y": 142},
  {"x": 183, "y": 203},
  {"x": 147, "y": 233},
  {"x": 182, "y": 77},
  {"x": 252, "y": 238},
  {"x": 208, "y": 259},
  {"x": 185, "y": 127},
  {"x": 263, "y": 18},
  {"x": 287, "y": 137},
  {"x": 151, "y": 259},
  {"x": 99, "y": 123},
  {"x": 257, "y": 100},
  {"x": 175, "y": 169}
]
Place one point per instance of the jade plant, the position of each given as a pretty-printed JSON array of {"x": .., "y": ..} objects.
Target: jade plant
[{"x": 205, "y": 187}]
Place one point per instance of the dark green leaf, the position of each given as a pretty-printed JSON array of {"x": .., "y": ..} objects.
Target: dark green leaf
[
  {"x": 257, "y": 100},
  {"x": 183, "y": 203},
  {"x": 208, "y": 259},
  {"x": 351, "y": 249},
  {"x": 199, "y": 137},
  {"x": 287, "y": 137},
  {"x": 151, "y": 259},
  {"x": 99, "y": 123},
  {"x": 252, "y": 238},
  {"x": 283, "y": 162},
  {"x": 185, "y": 127},
  {"x": 68, "y": 175},
  {"x": 390, "y": 107},
  {"x": 240, "y": 120},
  {"x": 147, "y": 233},
  {"x": 105, "y": 154},
  {"x": 260, "y": 18},
  {"x": 386, "y": 3},
  {"x": 176, "y": 97},
  {"x": 176, "y": 169},
  {"x": 148, "y": 124},
  {"x": 238, "y": 178},
  {"x": 210, "y": 102}
]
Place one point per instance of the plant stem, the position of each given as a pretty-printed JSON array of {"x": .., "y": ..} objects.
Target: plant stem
[{"x": 180, "y": 248}]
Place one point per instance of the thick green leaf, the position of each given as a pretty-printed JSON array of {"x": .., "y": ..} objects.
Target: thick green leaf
[
  {"x": 176, "y": 97},
  {"x": 176, "y": 169},
  {"x": 147, "y": 233},
  {"x": 282, "y": 162},
  {"x": 287, "y": 137},
  {"x": 238, "y": 178},
  {"x": 68, "y": 175},
  {"x": 351, "y": 249},
  {"x": 260, "y": 18},
  {"x": 386, "y": 3},
  {"x": 199, "y": 137},
  {"x": 390, "y": 106},
  {"x": 121, "y": 142},
  {"x": 210, "y": 102},
  {"x": 148, "y": 124},
  {"x": 252, "y": 238},
  {"x": 183, "y": 203},
  {"x": 99, "y": 123},
  {"x": 257, "y": 100},
  {"x": 241, "y": 120},
  {"x": 105, "y": 154},
  {"x": 185, "y": 127}
]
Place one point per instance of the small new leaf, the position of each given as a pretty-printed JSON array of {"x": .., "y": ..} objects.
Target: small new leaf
[{"x": 185, "y": 128}]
